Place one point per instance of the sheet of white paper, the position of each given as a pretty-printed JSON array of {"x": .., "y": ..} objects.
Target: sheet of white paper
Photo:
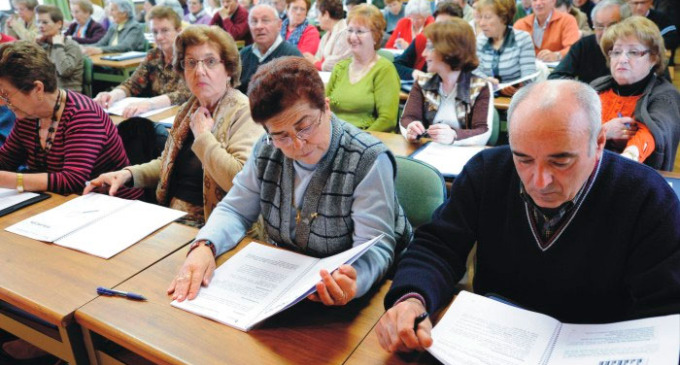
[
  {"x": 481, "y": 331},
  {"x": 118, "y": 107},
  {"x": 57, "y": 222},
  {"x": 10, "y": 197},
  {"x": 503, "y": 85},
  {"x": 167, "y": 122},
  {"x": 449, "y": 160},
  {"x": 642, "y": 342},
  {"x": 120, "y": 229},
  {"x": 325, "y": 76}
]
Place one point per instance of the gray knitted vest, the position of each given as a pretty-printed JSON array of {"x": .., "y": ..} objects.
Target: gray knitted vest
[{"x": 326, "y": 226}]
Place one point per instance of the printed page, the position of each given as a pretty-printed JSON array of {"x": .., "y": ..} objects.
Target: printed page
[
  {"x": 74, "y": 214},
  {"x": 481, "y": 331},
  {"x": 247, "y": 283},
  {"x": 120, "y": 229},
  {"x": 307, "y": 284},
  {"x": 449, "y": 160},
  {"x": 503, "y": 85},
  {"x": 10, "y": 197},
  {"x": 125, "y": 56},
  {"x": 118, "y": 107},
  {"x": 650, "y": 341}
]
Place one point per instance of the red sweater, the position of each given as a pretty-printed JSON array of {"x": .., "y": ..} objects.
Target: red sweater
[
  {"x": 236, "y": 25},
  {"x": 85, "y": 145},
  {"x": 403, "y": 30}
]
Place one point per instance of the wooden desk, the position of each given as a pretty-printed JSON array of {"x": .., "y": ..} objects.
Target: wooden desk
[
  {"x": 306, "y": 333},
  {"x": 126, "y": 68},
  {"x": 502, "y": 102},
  {"x": 397, "y": 143},
  {"x": 117, "y": 119},
  {"x": 51, "y": 282}
]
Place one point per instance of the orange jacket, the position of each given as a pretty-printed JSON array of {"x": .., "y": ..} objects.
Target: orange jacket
[{"x": 561, "y": 32}]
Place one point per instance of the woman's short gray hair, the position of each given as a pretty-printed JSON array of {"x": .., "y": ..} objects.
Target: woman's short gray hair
[
  {"x": 124, "y": 6},
  {"x": 421, "y": 7},
  {"x": 174, "y": 4}
]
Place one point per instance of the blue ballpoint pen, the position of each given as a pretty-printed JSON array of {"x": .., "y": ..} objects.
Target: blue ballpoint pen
[{"x": 111, "y": 292}]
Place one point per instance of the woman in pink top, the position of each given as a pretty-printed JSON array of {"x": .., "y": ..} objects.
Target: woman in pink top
[{"x": 297, "y": 30}]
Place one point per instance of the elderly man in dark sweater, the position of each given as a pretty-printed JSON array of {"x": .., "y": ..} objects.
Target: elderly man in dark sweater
[
  {"x": 562, "y": 227},
  {"x": 585, "y": 60},
  {"x": 265, "y": 25}
]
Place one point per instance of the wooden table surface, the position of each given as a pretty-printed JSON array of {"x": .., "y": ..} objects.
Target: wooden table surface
[
  {"x": 397, "y": 143},
  {"x": 51, "y": 281},
  {"x": 306, "y": 333},
  {"x": 98, "y": 61}
]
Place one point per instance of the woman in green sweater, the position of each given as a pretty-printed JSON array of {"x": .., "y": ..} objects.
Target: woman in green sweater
[{"x": 364, "y": 89}]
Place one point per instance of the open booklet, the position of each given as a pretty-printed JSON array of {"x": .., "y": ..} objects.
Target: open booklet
[
  {"x": 260, "y": 281},
  {"x": 97, "y": 224},
  {"x": 119, "y": 106},
  {"x": 124, "y": 56},
  {"x": 449, "y": 160},
  {"x": 479, "y": 330},
  {"x": 12, "y": 200},
  {"x": 503, "y": 85}
]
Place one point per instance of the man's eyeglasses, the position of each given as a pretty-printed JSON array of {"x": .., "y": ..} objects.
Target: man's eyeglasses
[
  {"x": 631, "y": 54},
  {"x": 192, "y": 64},
  {"x": 303, "y": 134}
]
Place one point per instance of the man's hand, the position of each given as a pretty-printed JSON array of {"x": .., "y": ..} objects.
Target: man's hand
[{"x": 395, "y": 328}]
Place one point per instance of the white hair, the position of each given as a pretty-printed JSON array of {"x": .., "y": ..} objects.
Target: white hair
[{"x": 421, "y": 7}]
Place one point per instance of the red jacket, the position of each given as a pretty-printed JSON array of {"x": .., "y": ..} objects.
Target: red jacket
[
  {"x": 403, "y": 30},
  {"x": 4, "y": 38},
  {"x": 236, "y": 25}
]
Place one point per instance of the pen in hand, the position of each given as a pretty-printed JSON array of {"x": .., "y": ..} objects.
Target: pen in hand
[
  {"x": 422, "y": 135},
  {"x": 421, "y": 317},
  {"x": 112, "y": 292}
]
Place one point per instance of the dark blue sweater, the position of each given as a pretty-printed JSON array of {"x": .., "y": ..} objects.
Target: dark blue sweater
[
  {"x": 250, "y": 62},
  {"x": 619, "y": 257}
]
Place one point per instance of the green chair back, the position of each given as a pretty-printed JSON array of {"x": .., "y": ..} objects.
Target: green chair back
[
  {"x": 495, "y": 129},
  {"x": 87, "y": 76},
  {"x": 420, "y": 188},
  {"x": 386, "y": 54}
]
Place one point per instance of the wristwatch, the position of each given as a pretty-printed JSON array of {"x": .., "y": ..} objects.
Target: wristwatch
[{"x": 204, "y": 242}]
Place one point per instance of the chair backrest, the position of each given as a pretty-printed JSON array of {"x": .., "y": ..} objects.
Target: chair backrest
[
  {"x": 495, "y": 129},
  {"x": 87, "y": 76},
  {"x": 420, "y": 188},
  {"x": 386, "y": 54},
  {"x": 143, "y": 139}
]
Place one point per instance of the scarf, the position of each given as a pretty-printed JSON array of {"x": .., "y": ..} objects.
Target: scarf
[
  {"x": 194, "y": 18},
  {"x": 297, "y": 32}
]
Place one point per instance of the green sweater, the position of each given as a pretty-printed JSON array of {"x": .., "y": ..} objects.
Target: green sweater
[{"x": 372, "y": 103}]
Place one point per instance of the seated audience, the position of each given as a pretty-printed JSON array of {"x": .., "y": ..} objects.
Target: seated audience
[
  {"x": 669, "y": 32},
  {"x": 586, "y": 7},
  {"x": 22, "y": 24},
  {"x": 553, "y": 32},
  {"x": 265, "y": 25},
  {"x": 154, "y": 77},
  {"x": 64, "y": 138},
  {"x": 124, "y": 35},
  {"x": 364, "y": 89},
  {"x": 233, "y": 18},
  {"x": 334, "y": 46},
  {"x": 585, "y": 60},
  {"x": 62, "y": 51},
  {"x": 196, "y": 14},
  {"x": 321, "y": 185},
  {"x": 212, "y": 135},
  {"x": 505, "y": 54},
  {"x": 540, "y": 213},
  {"x": 451, "y": 106},
  {"x": 417, "y": 17},
  {"x": 565, "y": 6},
  {"x": 393, "y": 12},
  {"x": 84, "y": 29},
  {"x": 640, "y": 109},
  {"x": 411, "y": 62},
  {"x": 296, "y": 30}
]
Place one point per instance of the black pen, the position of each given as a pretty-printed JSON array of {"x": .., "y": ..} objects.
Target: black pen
[
  {"x": 421, "y": 317},
  {"x": 111, "y": 292},
  {"x": 423, "y": 135}
]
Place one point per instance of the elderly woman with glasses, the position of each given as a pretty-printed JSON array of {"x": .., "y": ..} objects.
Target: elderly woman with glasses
[
  {"x": 364, "y": 89},
  {"x": 212, "y": 135},
  {"x": 321, "y": 185},
  {"x": 64, "y": 138},
  {"x": 418, "y": 15},
  {"x": 126, "y": 34},
  {"x": 640, "y": 109}
]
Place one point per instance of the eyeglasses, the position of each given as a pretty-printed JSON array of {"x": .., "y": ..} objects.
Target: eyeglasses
[
  {"x": 192, "y": 64},
  {"x": 301, "y": 135},
  {"x": 357, "y": 32},
  {"x": 630, "y": 54},
  {"x": 600, "y": 28}
]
